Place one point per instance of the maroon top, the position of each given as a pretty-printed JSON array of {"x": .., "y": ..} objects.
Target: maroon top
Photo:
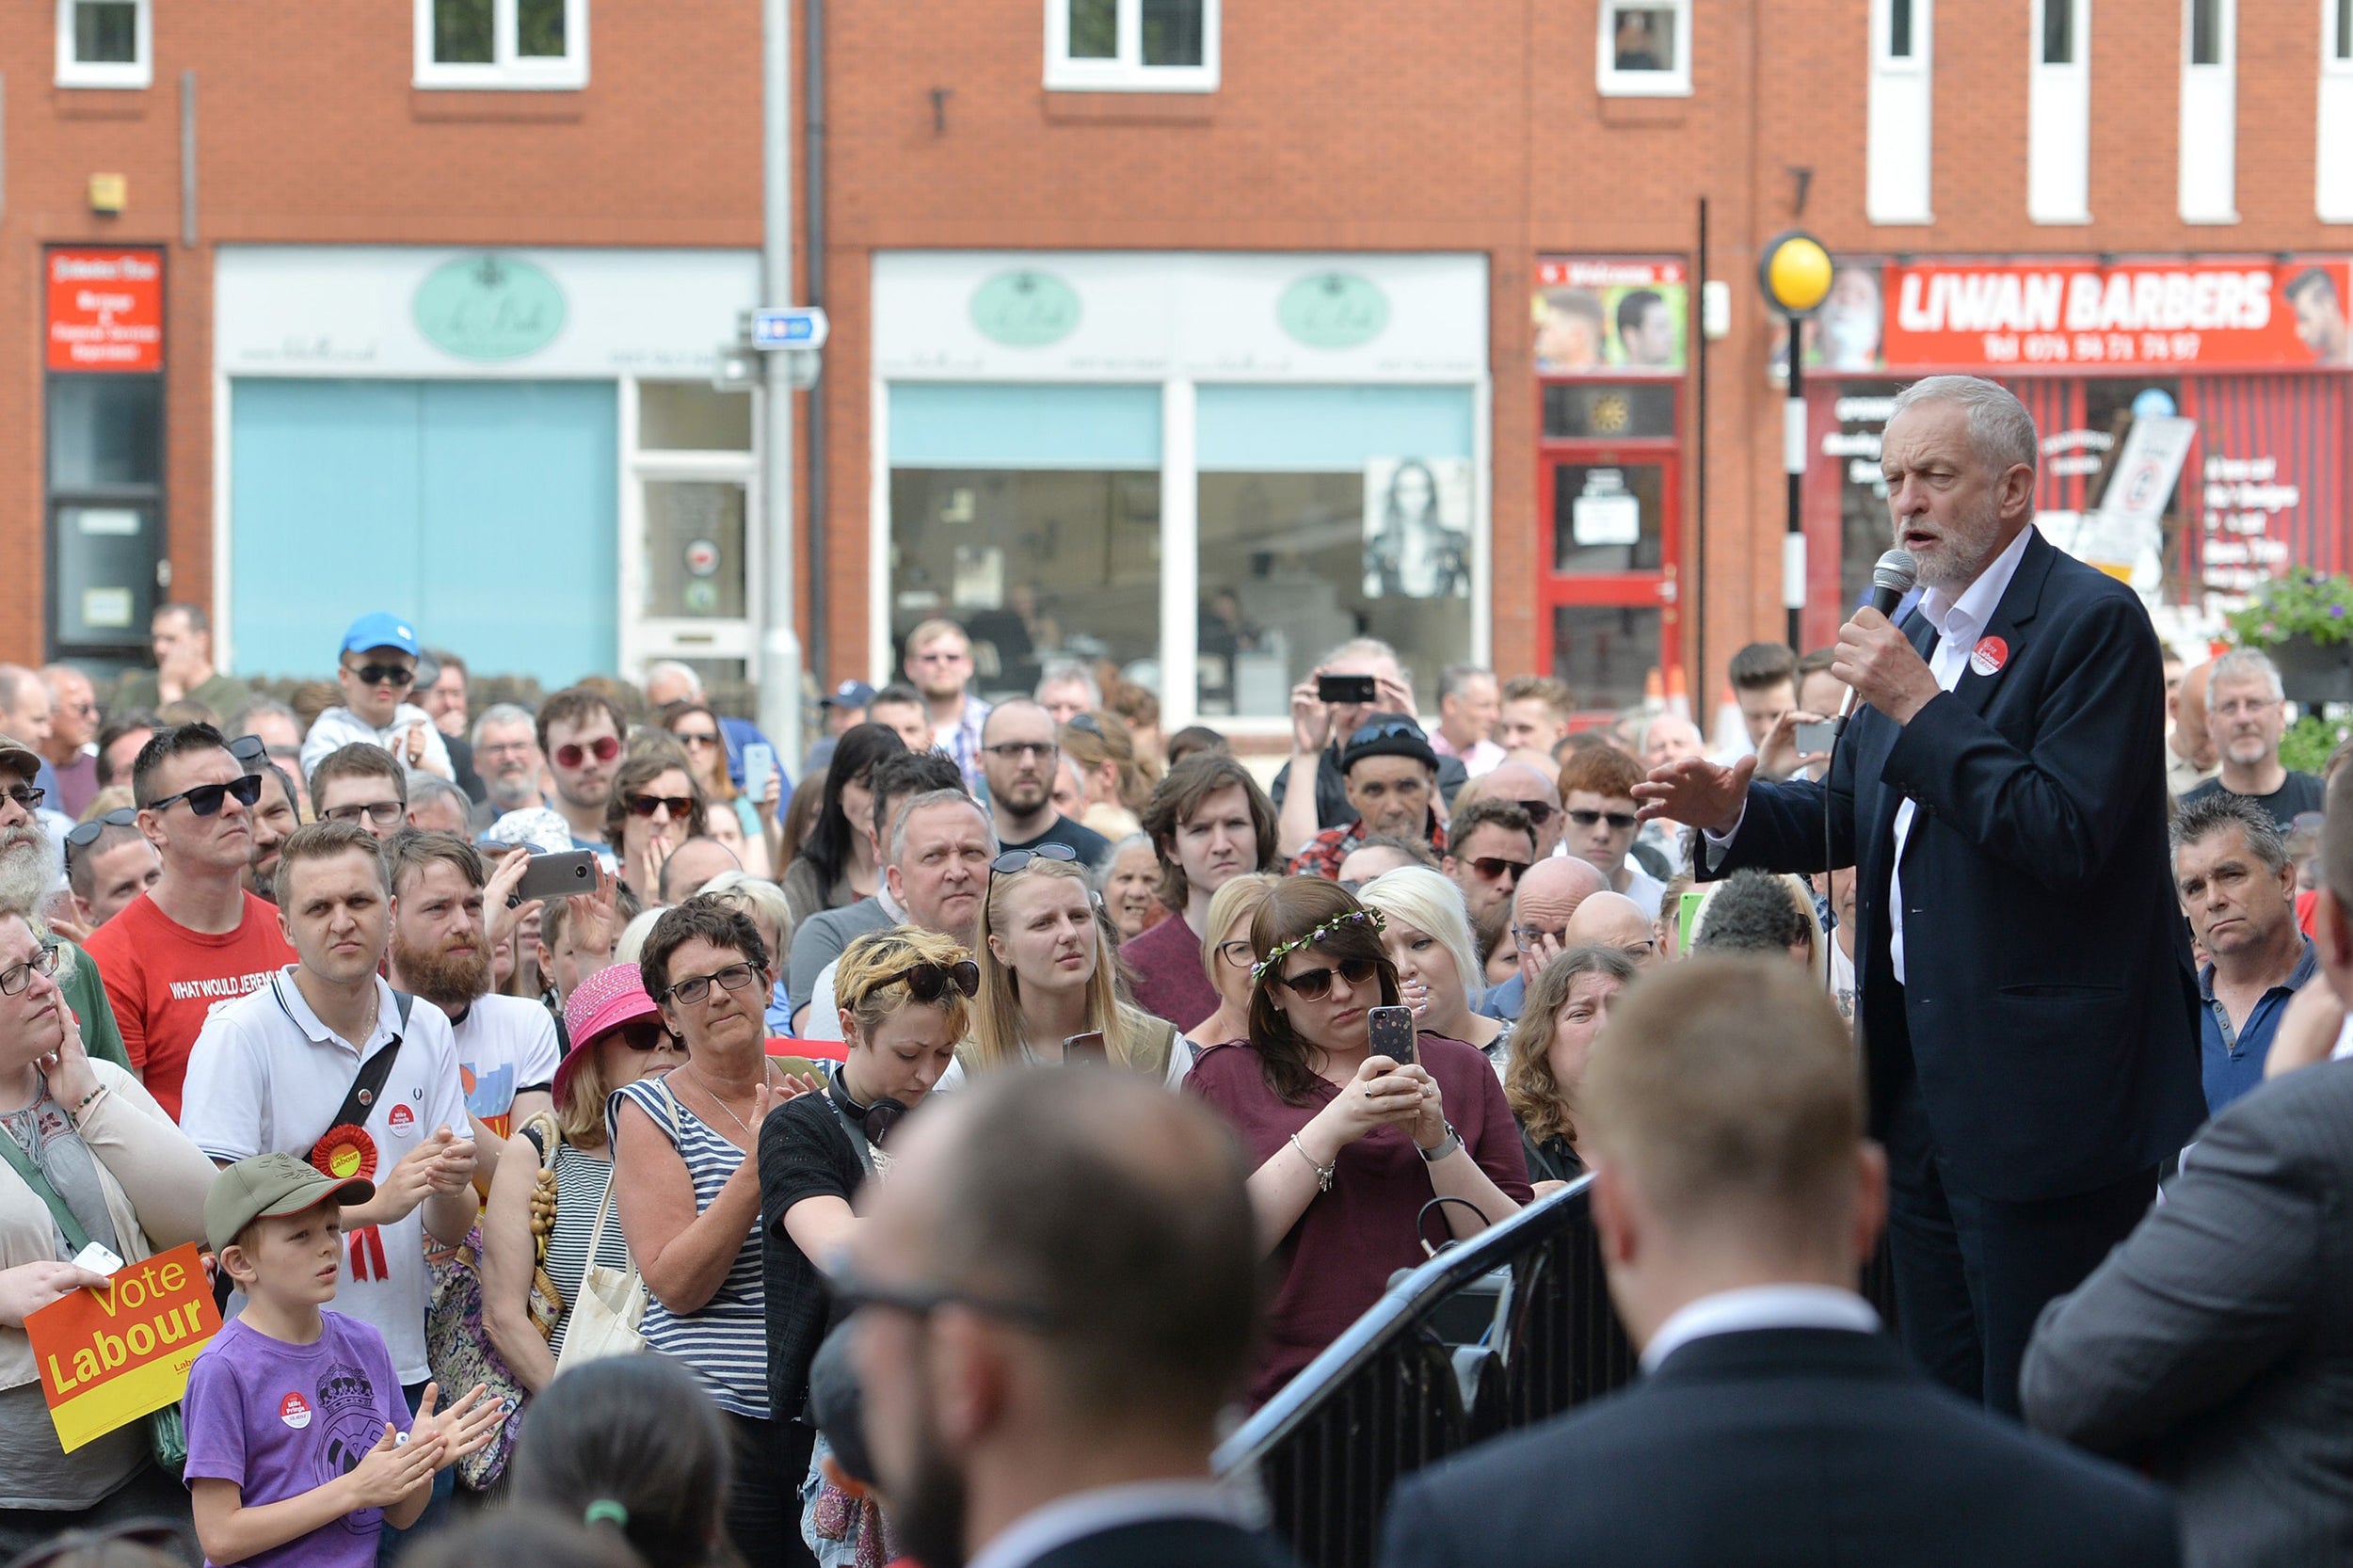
[
  {"x": 1169, "y": 982},
  {"x": 1337, "y": 1260}
]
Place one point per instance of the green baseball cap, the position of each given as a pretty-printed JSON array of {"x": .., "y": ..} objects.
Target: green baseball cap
[{"x": 272, "y": 1184}]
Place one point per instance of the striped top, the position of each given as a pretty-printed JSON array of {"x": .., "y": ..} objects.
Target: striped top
[
  {"x": 725, "y": 1343},
  {"x": 581, "y": 1180}
]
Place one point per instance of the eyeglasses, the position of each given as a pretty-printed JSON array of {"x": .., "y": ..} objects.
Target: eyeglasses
[
  {"x": 1315, "y": 984},
  {"x": 1494, "y": 865},
  {"x": 1236, "y": 952},
  {"x": 26, "y": 796},
  {"x": 693, "y": 989},
  {"x": 1018, "y": 859},
  {"x": 17, "y": 976},
  {"x": 930, "y": 981},
  {"x": 83, "y": 834},
  {"x": 603, "y": 748},
  {"x": 679, "y": 806},
  {"x": 382, "y": 675},
  {"x": 1384, "y": 731},
  {"x": 1527, "y": 935},
  {"x": 850, "y": 1292},
  {"x": 696, "y": 738},
  {"x": 384, "y": 813},
  {"x": 1015, "y": 751},
  {"x": 205, "y": 799},
  {"x": 1539, "y": 812},
  {"x": 1619, "y": 820}
]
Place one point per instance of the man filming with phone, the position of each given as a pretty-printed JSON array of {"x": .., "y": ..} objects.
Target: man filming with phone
[{"x": 1348, "y": 685}]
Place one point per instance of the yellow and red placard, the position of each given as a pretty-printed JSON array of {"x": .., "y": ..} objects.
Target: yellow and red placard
[{"x": 109, "y": 1356}]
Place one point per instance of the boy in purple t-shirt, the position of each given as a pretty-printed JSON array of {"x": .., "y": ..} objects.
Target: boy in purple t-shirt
[{"x": 300, "y": 1448}]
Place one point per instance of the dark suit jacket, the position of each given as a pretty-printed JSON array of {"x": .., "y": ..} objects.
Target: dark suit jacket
[
  {"x": 2049, "y": 1001},
  {"x": 1171, "y": 1543},
  {"x": 1779, "y": 1447},
  {"x": 2218, "y": 1340}
]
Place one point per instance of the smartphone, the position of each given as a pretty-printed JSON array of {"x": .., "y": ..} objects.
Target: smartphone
[
  {"x": 1687, "y": 916},
  {"x": 571, "y": 870},
  {"x": 1392, "y": 1034},
  {"x": 97, "y": 1260},
  {"x": 1086, "y": 1048},
  {"x": 1359, "y": 689},
  {"x": 759, "y": 762},
  {"x": 1814, "y": 739}
]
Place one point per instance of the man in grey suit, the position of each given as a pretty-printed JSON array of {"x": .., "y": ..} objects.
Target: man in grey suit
[{"x": 2217, "y": 1341}]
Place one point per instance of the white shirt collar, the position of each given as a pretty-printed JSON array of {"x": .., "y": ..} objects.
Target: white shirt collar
[
  {"x": 1969, "y": 614},
  {"x": 1758, "y": 1307},
  {"x": 305, "y": 1017},
  {"x": 1084, "y": 1513}
]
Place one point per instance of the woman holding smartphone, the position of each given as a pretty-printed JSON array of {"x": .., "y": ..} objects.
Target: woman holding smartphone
[
  {"x": 1352, "y": 1146},
  {"x": 1049, "y": 978}
]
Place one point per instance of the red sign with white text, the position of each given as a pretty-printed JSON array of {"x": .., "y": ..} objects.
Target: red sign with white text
[
  {"x": 2203, "y": 314},
  {"x": 106, "y": 309}
]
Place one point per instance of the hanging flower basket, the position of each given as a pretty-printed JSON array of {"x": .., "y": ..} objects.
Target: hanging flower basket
[{"x": 2305, "y": 621}]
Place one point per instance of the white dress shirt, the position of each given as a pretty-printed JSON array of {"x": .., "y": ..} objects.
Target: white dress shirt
[
  {"x": 1105, "y": 1508},
  {"x": 1758, "y": 1307}
]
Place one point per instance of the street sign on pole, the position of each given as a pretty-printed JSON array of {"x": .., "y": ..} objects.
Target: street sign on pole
[{"x": 789, "y": 327}]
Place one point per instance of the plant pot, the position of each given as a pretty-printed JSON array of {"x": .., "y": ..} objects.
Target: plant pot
[{"x": 2314, "y": 672}]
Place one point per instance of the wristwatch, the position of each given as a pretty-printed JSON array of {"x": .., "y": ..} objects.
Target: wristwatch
[{"x": 1453, "y": 1142}]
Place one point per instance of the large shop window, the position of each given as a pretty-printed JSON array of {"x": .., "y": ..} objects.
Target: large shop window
[
  {"x": 1031, "y": 515},
  {"x": 1327, "y": 513}
]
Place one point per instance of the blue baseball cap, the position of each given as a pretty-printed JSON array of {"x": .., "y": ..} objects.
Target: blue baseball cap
[
  {"x": 382, "y": 630},
  {"x": 850, "y": 694}
]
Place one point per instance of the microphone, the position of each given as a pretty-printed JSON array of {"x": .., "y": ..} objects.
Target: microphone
[{"x": 1890, "y": 581}]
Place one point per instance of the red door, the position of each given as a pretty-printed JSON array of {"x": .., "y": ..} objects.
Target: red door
[{"x": 1609, "y": 492}]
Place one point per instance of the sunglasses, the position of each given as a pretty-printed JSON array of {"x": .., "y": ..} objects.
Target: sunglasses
[
  {"x": 382, "y": 675},
  {"x": 1619, "y": 820},
  {"x": 697, "y": 738},
  {"x": 1494, "y": 865},
  {"x": 642, "y": 1034},
  {"x": 251, "y": 750},
  {"x": 384, "y": 813},
  {"x": 930, "y": 981},
  {"x": 26, "y": 796},
  {"x": 205, "y": 799},
  {"x": 1085, "y": 724},
  {"x": 1539, "y": 812},
  {"x": 603, "y": 748},
  {"x": 17, "y": 976},
  {"x": 693, "y": 989},
  {"x": 1018, "y": 859},
  {"x": 1315, "y": 984},
  {"x": 1389, "y": 730},
  {"x": 850, "y": 1292},
  {"x": 83, "y": 834},
  {"x": 679, "y": 806}
]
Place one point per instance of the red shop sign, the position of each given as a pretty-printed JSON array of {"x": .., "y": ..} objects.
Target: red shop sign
[
  {"x": 2204, "y": 313},
  {"x": 106, "y": 309}
]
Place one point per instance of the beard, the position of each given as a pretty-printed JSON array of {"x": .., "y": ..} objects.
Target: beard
[
  {"x": 445, "y": 981},
  {"x": 25, "y": 869},
  {"x": 927, "y": 1515},
  {"x": 1966, "y": 548}
]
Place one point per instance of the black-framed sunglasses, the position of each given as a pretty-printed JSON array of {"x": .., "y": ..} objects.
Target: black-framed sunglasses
[
  {"x": 16, "y": 977},
  {"x": 1539, "y": 812},
  {"x": 693, "y": 989},
  {"x": 1018, "y": 859},
  {"x": 251, "y": 750},
  {"x": 1315, "y": 984},
  {"x": 1084, "y": 723},
  {"x": 850, "y": 1292},
  {"x": 383, "y": 675},
  {"x": 642, "y": 1034},
  {"x": 205, "y": 799},
  {"x": 929, "y": 982},
  {"x": 1386, "y": 730},
  {"x": 679, "y": 806},
  {"x": 84, "y": 834},
  {"x": 384, "y": 813},
  {"x": 26, "y": 795},
  {"x": 1619, "y": 820},
  {"x": 1493, "y": 866}
]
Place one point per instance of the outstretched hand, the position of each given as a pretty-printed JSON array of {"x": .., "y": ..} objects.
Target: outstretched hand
[{"x": 1698, "y": 792}]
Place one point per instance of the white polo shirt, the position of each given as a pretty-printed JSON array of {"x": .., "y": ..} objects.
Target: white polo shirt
[
  {"x": 505, "y": 1045},
  {"x": 264, "y": 1077}
]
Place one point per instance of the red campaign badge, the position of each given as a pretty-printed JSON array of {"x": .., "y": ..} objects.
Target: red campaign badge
[
  {"x": 401, "y": 1117},
  {"x": 295, "y": 1411},
  {"x": 345, "y": 1151},
  {"x": 1988, "y": 656}
]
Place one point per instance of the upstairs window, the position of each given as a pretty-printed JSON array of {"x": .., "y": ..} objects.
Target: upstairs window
[
  {"x": 1645, "y": 48},
  {"x": 1131, "y": 45},
  {"x": 104, "y": 44},
  {"x": 502, "y": 44}
]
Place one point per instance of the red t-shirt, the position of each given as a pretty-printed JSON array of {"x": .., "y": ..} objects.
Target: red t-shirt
[
  {"x": 1166, "y": 960},
  {"x": 165, "y": 980},
  {"x": 1337, "y": 1258}
]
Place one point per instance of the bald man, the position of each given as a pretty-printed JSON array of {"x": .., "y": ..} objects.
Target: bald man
[
  {"x": 2190, "y": 757},
  {"x": 1535, "y": 791},
  {"x": 1547, "y": 898},
  {"x": 1609, "y": 920}
]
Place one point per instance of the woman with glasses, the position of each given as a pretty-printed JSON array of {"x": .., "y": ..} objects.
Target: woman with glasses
[
  {"x": 836, "y": 866},
  {"x": 544, "y": 1211},
  {"x": 903, "y": 994},
  {"x": 696, "y": 727},
  {"x": 1352, "y": 1148},
  {"x": 1428, "y": 939},
  {"x": 1566, "y": 1007},
  {"x": 654, "y": 808},
  {"x": 1228, "y": 957},
  {"x": 1048, "y": 973},
  {"x": 686, "y": 1179},
  {"x": 89, "y": 1157}
]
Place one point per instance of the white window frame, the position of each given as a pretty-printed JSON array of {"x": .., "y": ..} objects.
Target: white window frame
[
  {"x": 506, "y": 71},
  {"x": 2335, "y": 159},
  {"x": 140, "y": 73},
  {"x": 1127, "y": 73},
  {"x": 2209, "y": 122},
  {"x": 644, "y": 638},
  {"x": 1901, "y": 117},
  {"x": 1610, "y": 82},
  {"x": 2058, "y": 122}
]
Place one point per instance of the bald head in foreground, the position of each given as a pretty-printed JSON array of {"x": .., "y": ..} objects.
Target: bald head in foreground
[
  {"x": 1736, "y": 1199},
  {"x": 1056, "y": 1294}
]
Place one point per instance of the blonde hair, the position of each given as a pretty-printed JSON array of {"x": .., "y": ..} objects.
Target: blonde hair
[
  {"x": 865, "y": 983},
  {"x": 1128, "y": 1032},
  {"x": 1110, "y": 741},
  {"x": 1433, "y": 904},
  {"x": 1240, "y": 896},
  {"x": 759, "y": 898},
  {"x": 631, "y": 942}
]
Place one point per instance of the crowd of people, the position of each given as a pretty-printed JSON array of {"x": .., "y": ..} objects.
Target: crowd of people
[{"x": 282, "y": 979}]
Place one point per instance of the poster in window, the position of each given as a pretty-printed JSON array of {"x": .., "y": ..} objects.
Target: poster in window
[
  {"x": 1417, "y": 513},
  {"x": 1610, "y": 315}
]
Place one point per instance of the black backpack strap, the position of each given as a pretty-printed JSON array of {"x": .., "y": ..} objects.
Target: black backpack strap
[{"x": 371, "y": 1079}]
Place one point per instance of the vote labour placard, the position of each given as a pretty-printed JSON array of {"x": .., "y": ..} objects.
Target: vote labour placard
[{"x": 109, "y": 1356}]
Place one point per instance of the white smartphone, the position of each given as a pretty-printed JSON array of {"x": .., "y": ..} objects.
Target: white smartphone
[
  {"x": 759, "y": 762},
  {"x": 97, "y": 1260}
]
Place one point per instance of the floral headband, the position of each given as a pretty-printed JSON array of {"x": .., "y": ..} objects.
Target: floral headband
[{"x": 1372, "y": 917}]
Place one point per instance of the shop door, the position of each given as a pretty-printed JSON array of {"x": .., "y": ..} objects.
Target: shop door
[{"x": 1609, "y": 497}]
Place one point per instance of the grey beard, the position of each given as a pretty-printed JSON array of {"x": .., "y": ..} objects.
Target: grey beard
[{"x": 27, "y": 874}]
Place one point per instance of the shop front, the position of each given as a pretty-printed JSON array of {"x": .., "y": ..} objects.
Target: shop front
[
  {"x": 1207, "y": 468},
  {"x": 521, "y": 449},
  {"x": 2221, "y": 383}
]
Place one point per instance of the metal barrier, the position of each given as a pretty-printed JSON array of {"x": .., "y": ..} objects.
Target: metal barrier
[{"x": 1390, "y": 1395}]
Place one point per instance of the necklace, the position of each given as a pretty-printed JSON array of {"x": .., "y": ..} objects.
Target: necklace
[{"x": 723, "y": 1104}]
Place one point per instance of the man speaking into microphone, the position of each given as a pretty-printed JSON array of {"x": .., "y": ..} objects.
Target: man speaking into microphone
[{"x": 2024, "y": 994}]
